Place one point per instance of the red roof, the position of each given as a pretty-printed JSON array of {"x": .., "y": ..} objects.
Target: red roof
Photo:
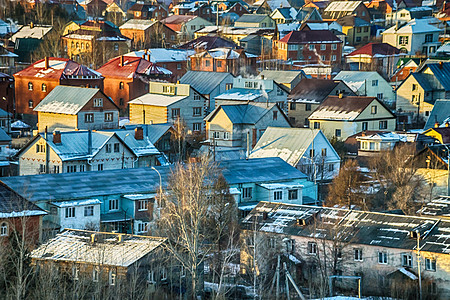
[
  {"x": 373, "y": 49},
  {"x": 175, "y": 22},
  {"x": 58, "y": 68},
  {"x": 310, "y": 36},
  {"x": 130, "y": 68}
]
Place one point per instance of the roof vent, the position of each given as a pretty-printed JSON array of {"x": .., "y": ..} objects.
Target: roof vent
[
  {"x": 93, "y": 238},
  {"x": 47, "y": 65},
  {"x": 265, "y": 215}
]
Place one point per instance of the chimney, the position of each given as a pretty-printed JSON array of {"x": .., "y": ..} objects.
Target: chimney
[
  {"x": 121, "y": 61},
  {"x": 441, "y": 65},
  {"x": 92, "y": 238},
  {"x": 57, "y": 137},
  {"x": 31, "y": 25},
  {"x": 262, "y": 77},
  {"x": 139, "y": 133},
  {"x": 436, "y": 125},
  {"x": 341, "y": 95},
  {"x": 265, "y": 215},
  {"x": 47, "y": 65},
  {"x": 89, "y": 142}
]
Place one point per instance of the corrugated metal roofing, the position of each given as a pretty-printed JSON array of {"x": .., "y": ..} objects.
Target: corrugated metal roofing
[
  {"x": 442, "y": 73},
  {"x": 251, "y": 18},
  {"x": 66, "y": 100},
  {"x": 282, "y": 76},
  {"x": 343, "y": 6},
  {"x": 241, "y": 94},
  {"x": 204, "y": 82},
  {"x": 423, "y": 81},
  {"x": 157, "y": 99},
  {"x": 153, "y": 131},
  {"x": 243, "y": 113},
  {"x": 440, "y": 112},
  {"x": 4, "y": 137},
  {"x": 311, "y": 36},
  {"x": 347, "y": 108}
]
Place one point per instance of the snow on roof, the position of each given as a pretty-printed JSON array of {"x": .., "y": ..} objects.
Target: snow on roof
[
  {"x": 20, "y": 124},
  {"x": 413, "y": 26},
  {"x": 408, "y": 273},
  {"x": 343, "y": 6},
  {"x": 23, "y": 213},
  {"x": 157, "y": 99},
  {"x": 355, "y": 79},
  {"x": 240, "y": 94},
  {"x": 384, "y": 137},
  {"x": 28, "y": 32},
  {"x": 76, "y": 246},
  {"x": 318, "y": 26},
  {"x": 137, "y": 24},
  {"x": 77, "y": 203},
  {"x": 164, "y": 55},
  {"x": 280, "y": 186},
  {"x": 341, "y": 109}
]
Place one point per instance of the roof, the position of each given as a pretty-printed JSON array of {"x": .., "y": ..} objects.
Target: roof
[
  {"x": 66, "y": 100},
  {"x": 289, "y": 144},
  {"x": 4, "y": 137},
  {"x": 58, "y": 68},
  {"x": 223, "y": 53},
  {"x": 175, "y": 22},
  {"x": 153, "y": 131},
  {"x": 249, "y": 113},
  {"x": 28, "y": 32},
  {"x": 355, "y": 79},
  {"x": 413, "y": 26},
  {"x": 375, "y": 50},
  {"x": 282, "y": 76},
  {"x": 14, "y": 205},
  {"x": 440, "y": 113},
  {"x": 313, "y": 90},
  {"x": 352, "y": 226},
  {"x": 93, "y": 184},
  {"x": 423, "y": 81},
  {"x": 273, "y": 4},
  {"x": 251, "y": 18},
  {"x": 204, "y": 82},
  {"x": 439, "y": 207},
  {"x": 348, "y": 6},
  {"x": 138, "y": 24},
  {"x": 310, "y": 36},
  {"x": 441, "y": 71},
  {"x": 287, "y": 12},
  {"x": 209, "y": 42},
  {"x": 160, "y": 55},
  {"x": 241, "y": 94},
  {"x": 157, "y": 99},
  {"x": 75, "y": 246},
  {"x": 352, "y": 21},
  {"x": 341, "y": 109},
  {"x": 133, "y": 66}
]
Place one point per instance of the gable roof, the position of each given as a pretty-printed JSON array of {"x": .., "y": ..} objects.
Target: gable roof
[
  {"x": 137, "y": 24},
  {"x": 31, "y": 32},
  {"x": 67, "y": 100},
  {"x": 209, "y": 42},
  {"x": 438, "y": 207},
  {"x": 249, "y": 113},
  {"x": 132, "y": 67},
  {"x": 154, "y": 132},
  {"x": 178, "y": 19},
  {"x": 310, "y": 36},
  {"x": 313, "y": 89},
  {"x": 342, "y": 109},
  {"x": 204, "y": 82},
  {"x": 440, "y": 113},
  {"x": 413, "y": 26},
  {"x": 282, "y": 76},
  {"x": 252, "y": 18},
  {"x": 347, "y": 6},
  {"x": 441, "y": 71},
  {"x": 356, "y": 79},
  {"x": 13, "y": 205},
  {"x": 289, "y": 144},
  {"x": 157, "y": 99},
  {"x": 286, "y": 12},
  {"x": 158, "y": 55},
  {"x": 375, "y": 49},
  {"x": 352, "y": 21}
]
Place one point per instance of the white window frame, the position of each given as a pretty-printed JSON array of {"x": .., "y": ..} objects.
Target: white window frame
[
  {"x": 89, "y": 209},
  {"x": 95, "y": 274},
  {"x": 278, "y": 195},
  {"x": 151, "y": 276},
  {"x": 4, "y": 229},
  {"x": 98, "y": 102},
  {"x": 112, "y": 277},
  {"x": 69, "y": 212},
  {"x": 430, "y": 264},
  {"x": 382, "y": 258},
  {"x": 142, "y": 203},
  {"x": 113, "y": 204},
  {"x": 247, "y": 192},
  {"x": 407, "y": 260},
  {"x": 357, "y": 254},
  {"x": 312, "y": 248}
]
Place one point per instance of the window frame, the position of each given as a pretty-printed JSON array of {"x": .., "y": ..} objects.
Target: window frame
[
  {"x": 292, "y": 193},
  {"x": 357, "y": 254},
  {"x": 89, "y": 211},
  {"x": 4, "y": 229},
  {"x": 278, "y": 195},
  {"x": 312, "y": 248},
  {"x": 89, "y": 118},
  {"x": 69, "y": 212},
  {"x": 382, "y": 258}
]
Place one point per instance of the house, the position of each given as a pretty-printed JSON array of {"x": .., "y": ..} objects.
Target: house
[
  {"x": 238, "y": 127},
  {"x": 201, "y": 9},
  {"x": 208, "y": 43},
  {"x": 341, "y": 117},
  {"x": 170, "y": 103},
  {"x": 235, "y": 61},
  {"x": 309, "y": 47},
  {"x": 357, "y": 30},
  {"x": 339, "y": 9},
  {"x": 7, "y": 92},
  {"x": 27, "y": 39},
  {"x": 417, "y": 94},
  {"x": 439, "y": 115},
  {"x": 383, "y": 57},
  {"x": 289, "y": 79},
  {"x": 246, "y": 90},
  {"x": 254, "y": 43},
  {"x": 147, "y": 11},
  {"x": 306, "y": 14},
  {"x": 368, "y": 83},
  {"x": 6, "y": 167},
  {"x": 35, "y": 82},
  {"x": 185, "y": 25},
  {"x": 107, "y": 260},
  {"x": 255, "y": 21},
  {"x": 235, "y": 34},
  {"x": 379, "y": 247},
  {"x": 67, "y": 107},
  {"x": 17, "y": 215},
  {"x": 5, "y": 121},
  {"x": 283, "y": 15},
  {"x": 309, "y": 94},
  {"x": 94, "y": 36},
  {"x": 437, "y": 208},
  {"x": 96, "y": 8},
  {"x": 174, "y": 60},
  {"x": 126, "y": 77},
  {"x": 405, "y": 66},
  {"x": 371, "y": 143},
  {"x": 416, "y": 36},
  {"x": 7, "y": 61},
  {"x": 208, "y": 84},
  {"x": 308, "y": 150},
  {"x": 146, "y": 34},
  {"x": 405, "y": 15}
]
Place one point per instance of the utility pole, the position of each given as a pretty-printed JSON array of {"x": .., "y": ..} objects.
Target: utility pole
[{"x": 418, "y": 264}]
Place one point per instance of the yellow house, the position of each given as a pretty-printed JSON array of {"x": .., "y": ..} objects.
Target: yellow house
[
  {"x": 343, "y": 116},
  {"x": 357, "y": 30}
]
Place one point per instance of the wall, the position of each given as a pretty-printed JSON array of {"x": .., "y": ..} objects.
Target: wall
[
  {"x": 221, "y": 123},
  {"x": 153, "y": 114},
  {"x": 30, "y": 161},
  {"x": 80, "y": 221},
  {"x": 53, "y": 121}
]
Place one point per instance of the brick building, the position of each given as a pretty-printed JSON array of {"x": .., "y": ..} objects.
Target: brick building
[
  {"x": 310, "y": 47},
  {"x": 6, "y": 93},
  {"x": 126, "y": 77},
  {"x": 35, "y": 82}
]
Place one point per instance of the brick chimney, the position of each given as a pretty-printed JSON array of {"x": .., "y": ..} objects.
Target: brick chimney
[
  {"x": 47, "y": 65},
  {"x": 139, "y": 133},
  {"x": 57, "y": 137},
  {"x": 121, "y": 61}
]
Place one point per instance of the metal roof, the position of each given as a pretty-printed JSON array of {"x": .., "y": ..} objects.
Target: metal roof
[
  {"x": 439, "y": 207},
  {"x": 157, "y": 99},
  {"x": 251, "y": 18},
  {"x": 352, "y": 226},
  {"x": 440, "y": 113},
  {"x": 13, "y": 205},
  {"x": 66, "y": 100},
  {"x": 204, "y": 82},
  {"x": 423, "y": 81},
  {"x": 442, "y": 72},
  {"x": 4, "y": 137},
  {"x": 249, "y": 113},
  {"x": 282, "y": 76},
  {"x": 153, "y": 131}
]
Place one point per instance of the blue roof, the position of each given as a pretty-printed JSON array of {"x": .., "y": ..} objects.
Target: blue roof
[
  {"x": 442, "y": 72},
  {"x": 422, "y": 80},
  {"x": 243, "y": 113},
  {"x": 204, "y": 82},
  {"x": 4, "y": 137},
  {"x": 440, "y": 112}
]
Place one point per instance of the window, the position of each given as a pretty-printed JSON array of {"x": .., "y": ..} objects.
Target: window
[
  {"x": 70, "y": 212},
  {"x": 30, "y": 86},
  {"x": 432, "y": 288},
  {"x": 330, "y": 168},
  {"x": 89, "y": 211},
  {"x": 382, "y": 258},
  {"x": 143, "y": 204},
  {"x": 192, "y": 27},
  {"x": 116, "y": 47},
  {"x": 175, "y": 113},
  {"x": 100, "y": 167},
  {"x": 151, "y": 277},
  {"x": 278, "y": 195},
  {"x": 41, "y": 168},
  {"x": 55, "y": 169},
  {"x": 246, "y": 193},
  {"x": 272, "y": 242},
  {"x": 121, "y": 85},
  {"x": 383, "y": 125},
  {"x": 279, "y": 91},
  {"x": 219, "y": 64},
  {"x": 428, "y": 38},
  {"x": 312, "y": 248},
  {"x": 365, "y": 125},
  {"x": 95, "y": 274},
  {"x": 116, "y": 147},
  {"x": 108, "y": 148},
  {"x": 178, "y": 66},
  {"x": 333, "y": 57},
  {"x": 275, "y": 114},
  {"x": 358, "y": 39},
  {"x": 228, "y": 86},
  {"x": 226, "y": 135},
  {"x": 372, "y": 146},
  {"x": 114, "y": 204},
  {"x": 71, "y": 169},
  {"x": 375, "y": 82},
  {"x": 197, "y": 111},
  {"x": 121, "y": 102},
  {"x": 196, "y": 96},
  {"x": 75, "y": 272},
  {"x": 366, "y": 29},
  {"x": 430, "y": 264},
  {"x": 216, "y": 135},
  {"x": 142, "y": 227},
  {"x": 358, "y": 29},
  {"x": 293, "y": 195},
  {"x": 337, "y": 133},
  {"x": 373, "y": 110},
  {"x": 322, "y": 57},
  {"x": 40, "y": 148},
  {"x": 333, "y": 46},
  {"x": 168, "y": 89},
  {"x": 89, "y": 118},
  {"x": 292, "y": 47},
  {"x": 407, "y": 260},
  {"x": 358, "y": 254},
  {"x": 112, "y": 277},
  {"x": 307, "y": 107},
  {"x": 414, "y": 87},
  {"x": 98, "y": 102},
  {"x": 108, "y": 117},
  {"x": 380, "y": 96},
  {"x": 197, "y": 126},
  {"x": 292, "y": 106},
  {"x": 290, "y": 246},
  {"x": 207, "y": 63},
  {"x": 312, "y": 153},
  {"x": 163, "y": 274},
  {"x": 82, "y": 168},
  {"x": 4, "y": 229},
  {"x": 30, "y": 103},
  {"x": 311, "y": 47},
  {"x": 44, "y": 87},
  {"x": 323, "y": 47},
  {"x": 403, "y": 40}
]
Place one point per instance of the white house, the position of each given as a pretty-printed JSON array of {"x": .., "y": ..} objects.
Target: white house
[{"x": 76, "y": 214}]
